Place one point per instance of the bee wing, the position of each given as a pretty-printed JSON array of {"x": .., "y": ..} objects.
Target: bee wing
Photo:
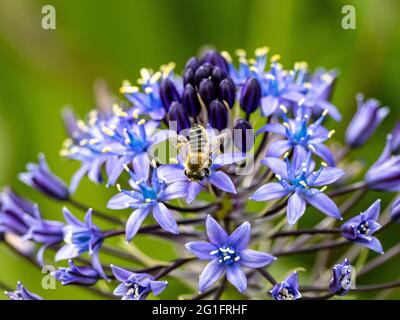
[
  {"x": 181, "y": 144},
  {"x": 215, "y": 142}
]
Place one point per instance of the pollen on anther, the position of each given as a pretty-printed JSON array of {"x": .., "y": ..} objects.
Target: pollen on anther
[
  {"x": 106, "y": 149},
  {"x": 141, "y": 122},
  {"x": 283, "y": 108}
]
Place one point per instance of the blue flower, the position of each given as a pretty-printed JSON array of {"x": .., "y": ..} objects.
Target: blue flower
[
  {"x": 299, "y": 132},
  {"x": 114, "y": 142},
  {"x": 148, "y": 197},
  {"x": 12, "y": 210},
  {"x": 288, "y": 289},
  {"x": 368, "y": 117},
  {"x": 149, "y": 101},
  {"x": 360, "y": 228},
  {"x": 341, "y": 281},
  {"x": 227, "y": 254},
  {"x": 298, "y": 180},
  {"x": 46, "y": 232},
  {"x": 136, "y": 286},
  {"x": 384, "y": 174},
  {"x": 81, "y": 237},
  {"x": 21, "y": 293},
  {"x": 40, "y": 177},
  {"x": 77, "y": 275}
]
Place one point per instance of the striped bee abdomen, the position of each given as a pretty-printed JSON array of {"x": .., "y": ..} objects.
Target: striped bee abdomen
[{"x": 197, "y": 138}]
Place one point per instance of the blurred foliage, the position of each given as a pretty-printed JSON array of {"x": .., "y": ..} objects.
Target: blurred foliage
[{"x": 42, "y": 71}]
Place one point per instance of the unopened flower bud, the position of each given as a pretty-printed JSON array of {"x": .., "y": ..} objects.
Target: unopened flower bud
[
  {"x": 251, "y": 96},
  {"x": 178, "y": 114},
  {"x": 168, "y": 93},
  {"x": 227, "y": 92},
  {"x": 214, "y": 58},
  {"x": 207, "y": 91},
  {"x": 218, "y": 115},
  {"x": 190, "y": 101},
  {"x": 243, "y": 135}
]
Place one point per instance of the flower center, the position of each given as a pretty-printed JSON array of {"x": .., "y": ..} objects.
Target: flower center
[
  {"x": 226, "y": 255},
  {"x": 134, "y": 289},
  {"x": 286, "y": 294},
  {"x": 345, "y": 278},
  {"x": 364, "y": 228},
  {"x": 148, "y": 193}
]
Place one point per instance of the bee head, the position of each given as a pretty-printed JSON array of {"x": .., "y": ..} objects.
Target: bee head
[{"x": 197, "y": 175}]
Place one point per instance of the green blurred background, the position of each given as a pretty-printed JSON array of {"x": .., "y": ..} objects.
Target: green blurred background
[{"x": 42, "y": 71}]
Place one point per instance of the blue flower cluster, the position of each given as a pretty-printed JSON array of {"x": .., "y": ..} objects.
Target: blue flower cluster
[{"x": 196, "y": 154}]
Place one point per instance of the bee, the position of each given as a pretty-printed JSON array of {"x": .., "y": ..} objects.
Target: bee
[{"x": 196, "y": 151}]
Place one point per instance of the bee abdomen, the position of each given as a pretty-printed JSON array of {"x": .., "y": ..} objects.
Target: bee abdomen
[{"x": 197, "y": 138}]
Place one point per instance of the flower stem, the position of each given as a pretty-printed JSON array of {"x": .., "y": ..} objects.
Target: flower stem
[
  {"x": 191, "y": 209},
  {"x": 305, "y": 231},
  {"x": 267, "y": 276},
  {"x": 347, "y": 189},
  {"x": 221, "y": 289},
  {"x": 97, "y": 213},
  {"x": 178, "y": 263},
  {"x": 380, "y": 286},
  {"x": 320, "y": 246},
  {"x": 378, "y": 261}
]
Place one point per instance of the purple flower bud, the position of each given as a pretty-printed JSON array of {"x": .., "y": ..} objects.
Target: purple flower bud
[
  {"x": 86, "y": 276},
  {"x": 218, "y": 75},
  {"x": 188, "y": 77},
  {"x": 193, "y": 63},
  {"x": 40, "y": 177},
  {"x": 340, "y": 283},
  {"x": 251, "y": 96},
  {"x": 178, "y": 114},
  {"x": 168, "y": 93},
  {"x": 214, "y": 58},
  {"x": 243, "y": 135},
  {"x": 218, "y": 115},
  {"x": 395, "y": 209},
  {"x": 227, "y": 92},
  {"x": 207, "y": 91},
  {"x": 190, "y": 101},
  {"x": 22, "y": 294},
  {"x": 203, "y": 72},
  {"x": 288, "y": 289},
  {"x": 368, "y": 117}
]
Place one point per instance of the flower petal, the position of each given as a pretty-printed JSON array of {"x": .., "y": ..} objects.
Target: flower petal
[
  {"x": 255, "y": 259},
  {"x": 328, "y": 176},
  {"x": 120, "y": 273},
  {"x": 372, "y": 213},
  {"x": 323, "y": 203},
  {"x": 211, "y": 273},
  {"x": 296, "y": 208},
  {"x": 158, "y": 286},
  {"x": 216, "y": 234},
  {"x": 277, "y": 166},
  {"x": 134, "y": 222},
  {"x": 277, "y": 148},
  {"x": 241, "y": 236},
  {"x": 374, "y": 244},
  {"x": 222, "y": 181},
  {"x": 269, "y": 191},
  {"x": 194, "y": 189},
  {"x": 201, "y": 249},
  {"x": 165, "y": 218},
  {"x": 237, "y": 277},
  {"x": 325, "y": 153},
  {"x": 141, "y": 165}
]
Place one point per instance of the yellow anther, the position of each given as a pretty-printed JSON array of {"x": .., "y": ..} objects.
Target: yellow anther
[
  {"x": 92, "y": 118},
  {"x": 240, "y": 53},
  {"x": 286, "y": 125},
  {"x": 145, "y": 74},
  {"x": 275, "y": 57},
  {"x": 286, "y": 155},
  {"x": 125, "y": 167},
  {"x": 148, "y": 200},
  {"x": 283, "y": 108},
  {"x": 106, "y": 149},
  {"x": 324, "y": 164},
  {"x": 307, "y": 85},
  {"x": 297, "y": 66},
  {"x": 83, "y": 142},
  {"x": 128, "y": 89},
  {"x": 311, "y": 147},
  {"x": 270, "y": 76},
  {"x": 326, "y": 77},
  {"x": 310, "y": 132},
  {"x": 261, "y": 51},
  {"x": 81, "y": 125},
  {"x": 155, "y": 77},
  {"x": 67, "y": 143},
  {"x": 107, "y": 131},
  {"x": 141, "y": 122},
  {"x": 154, "y": 163},
  {"x": 93, "y": 141},
  {"x": 166, "y": 69},
  {"x": 253, "y": 69},
  {"x": 331, "y": 133},
  {"x": 324, "y": 188},
  {"x": 148, "y": 90},
  {"x": 303, "y": 183},
  {"x": 278, "y": 176},
  {"x": 325, "y": 112},
  {"x": 173, "y": 161},
  {"x": 128, "y": 141},
  {"x": 227, "y": 56},
  {"x": 118, "y": 187},
  {"x": 303, "y": 65},
  {"x": 301, "y": 102},
  {"x": 64, "y": 152},
  {"x": 243, "y": 60}
]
